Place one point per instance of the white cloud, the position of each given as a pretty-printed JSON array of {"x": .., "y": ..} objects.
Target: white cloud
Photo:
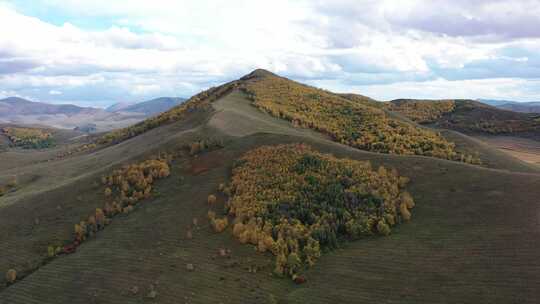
[
  {"x": 55, "y": 92},
  {"x": 511, "y": 88},
  {"x": 164, "y": 47}
]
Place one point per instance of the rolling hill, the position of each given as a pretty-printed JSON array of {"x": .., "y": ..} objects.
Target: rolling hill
[
  {"x": 468, "y": 116},
  {"x": 339, "y": 223}
]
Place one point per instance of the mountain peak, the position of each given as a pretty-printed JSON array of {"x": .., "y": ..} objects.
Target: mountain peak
[{"x": 258, "y": 73}]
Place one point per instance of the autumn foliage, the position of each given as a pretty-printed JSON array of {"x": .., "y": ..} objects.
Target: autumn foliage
[
  {"x": 346, "y": 121},
  {"x": 29, "y": 138},
  {"x": 133, "y": 183},
  {"x": 296, "y": 202},
  {"x": 11, "y": 276},
  {"x": 123, "y": 189},
  {"x": 422, "y": 111}
]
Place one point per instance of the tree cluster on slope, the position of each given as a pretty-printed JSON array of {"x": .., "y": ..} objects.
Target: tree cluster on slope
[
  {"x": 123, "y": 189},
  {"x": 422, "y": 111},
  {"x": 29, "y": 138},
  {"x": 351, "y": 123},
  {"x": 296, "y": 202}
]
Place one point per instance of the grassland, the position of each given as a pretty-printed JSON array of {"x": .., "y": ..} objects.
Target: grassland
[
  {"x": 466, "y": 252},
  {"x": 469, "y": 240},
  {"x": 522, "y": 148}
]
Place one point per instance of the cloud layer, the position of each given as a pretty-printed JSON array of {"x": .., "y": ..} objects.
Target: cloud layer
[{"x": 100, "y": 52}]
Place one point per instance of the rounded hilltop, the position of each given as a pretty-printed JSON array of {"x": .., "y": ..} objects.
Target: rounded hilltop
[{"x": 258, "y": 73}]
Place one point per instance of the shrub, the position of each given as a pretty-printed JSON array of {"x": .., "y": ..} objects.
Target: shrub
[
  {"x": 238, "y": 229},
  {"x": 383, "y": 228},
  {"x": 100, "y": 218},
  {"x": 293, "y": 263},
  {"x": 127, "y": 209},
  {"x": 204, "y": 145},
  {"x": 195, "y": 148},
  {"x": 51, "y": 251},
  {"x": 12, "y": 182},
  {"x": 219, "y": 225},
  {"x": 407, "y": 199},
  {"x": 11, "y": 276},
  {"x": 404, "y": 210},
  {"x": 212, "y": 199},
  {"x": 79, "y": 233},
  {"x": 92, "y": 224}
]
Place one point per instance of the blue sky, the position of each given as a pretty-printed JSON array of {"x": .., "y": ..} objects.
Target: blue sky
[{"x": 99, "y": 52}]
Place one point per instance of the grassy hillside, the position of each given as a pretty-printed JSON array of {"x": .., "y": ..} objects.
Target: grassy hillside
[
  {"x": 470, "y": 251},
  {"x": 198, "y": 103},
  {"x": 355, "y": 120},
  {"x": 468, "y": 240}
]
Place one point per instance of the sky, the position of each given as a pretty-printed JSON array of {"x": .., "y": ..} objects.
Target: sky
[{"x": 99, "y": 52}]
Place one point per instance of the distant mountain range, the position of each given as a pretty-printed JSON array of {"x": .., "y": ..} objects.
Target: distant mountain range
[
  {"x": 150, "y": 107},
  {"x": 17, "y": 110},
  {"x": 18, "y": 106},
  {"x": 524, "y": 107}
]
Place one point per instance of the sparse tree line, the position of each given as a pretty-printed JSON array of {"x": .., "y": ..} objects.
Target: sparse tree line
[
  {"x": 204, "y": 145},
  {"x": 29, "y": 138},
  {"x": 351, "y": 123},
  {"x": 71, "y": 151},
  {"x": 199, "y": 102},
  {"x": 296, "y": 203},
  {"x": 123, "y": 189}
]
